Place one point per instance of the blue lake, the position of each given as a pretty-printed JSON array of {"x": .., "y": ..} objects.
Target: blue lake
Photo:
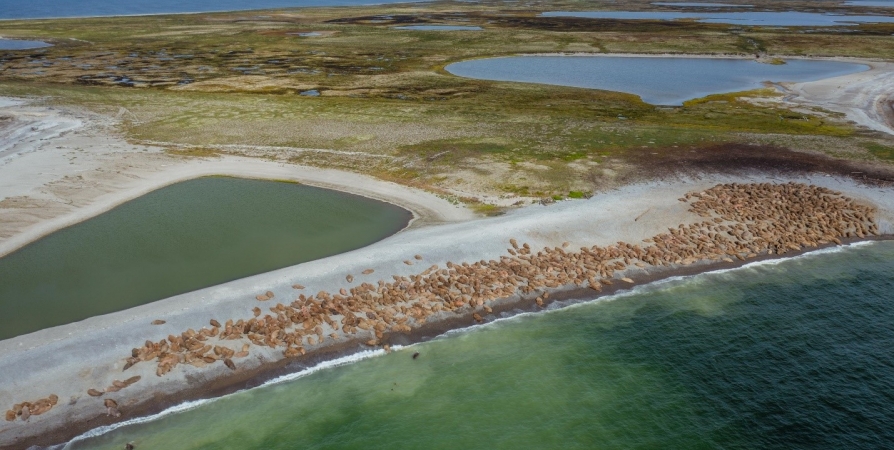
[
  {"x": 440, "y": 28},
  {"x": 657, "y": 80},
  {"x": 17, "y": 9},
  {"x": 753, "y": 18},
  {"x": 18, "y": 44}
]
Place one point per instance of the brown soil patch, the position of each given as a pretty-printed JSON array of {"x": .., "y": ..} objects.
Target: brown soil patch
[{"x": 739, "y": 159}]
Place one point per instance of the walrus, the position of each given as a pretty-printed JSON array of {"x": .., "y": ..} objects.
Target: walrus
[
  {"x": 158, "y": 322},
  {"x": 415, "y": 355},
  {"x": 215, "y": 323},
  {"x": 229, "y": 363},
  {"x": 94, "y": 393}
]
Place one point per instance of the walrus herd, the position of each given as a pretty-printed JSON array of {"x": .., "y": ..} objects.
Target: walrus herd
[
  {"x": 25, "y": 410},
  {"x": 741, "y": 221}
]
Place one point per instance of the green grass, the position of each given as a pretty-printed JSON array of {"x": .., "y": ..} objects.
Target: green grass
[
  {"x": 880, "y": 151},
  {"x": 384, "y": 91}
]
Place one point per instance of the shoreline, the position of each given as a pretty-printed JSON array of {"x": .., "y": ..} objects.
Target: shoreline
[
  {"x": 506, "y": 309},
  {"x": 280, "y": 8},
  {"x": 96, "y": 348},
  {"x": 412, "y": 200},
  {"x": 862, "y": 96},
  {"x": 35, "y": 172}
]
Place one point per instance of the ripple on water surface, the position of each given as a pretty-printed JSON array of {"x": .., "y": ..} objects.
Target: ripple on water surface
[
  {"x": 183, "y": 237},
  {"x": 794, "y": 354}
]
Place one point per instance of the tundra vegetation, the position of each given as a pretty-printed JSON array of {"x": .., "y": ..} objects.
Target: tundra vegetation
[{"x": 245, "y": 83}]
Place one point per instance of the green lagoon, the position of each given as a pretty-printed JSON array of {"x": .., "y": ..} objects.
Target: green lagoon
[{"x": 180, "y": 238}]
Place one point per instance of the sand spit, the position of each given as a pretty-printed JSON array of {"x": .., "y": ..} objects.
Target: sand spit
[
  {"x": 59, "y": 167},
  {"x": 864, "y": 97},
  {"x": 221, "y": 338}
]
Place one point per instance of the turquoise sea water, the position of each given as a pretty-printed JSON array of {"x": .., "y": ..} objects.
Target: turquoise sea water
[
  {"x": 180, "y": 238},
  {"x": 787, "y": 355}
]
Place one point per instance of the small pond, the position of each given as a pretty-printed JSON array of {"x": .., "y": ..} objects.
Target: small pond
[
  {"x": 657, "y": 80},
  {"x": 20, "y": 44},
  {"x": 180, "y": 238},
  {"x": 751, "y": 18},
  {"x": 440, "y": 28}
]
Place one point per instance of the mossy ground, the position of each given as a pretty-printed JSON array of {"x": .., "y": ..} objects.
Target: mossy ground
[{"x": 219, "y": 80}]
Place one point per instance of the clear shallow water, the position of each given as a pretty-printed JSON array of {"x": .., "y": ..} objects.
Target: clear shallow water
[
  {"x": 753, "y": 18},
  {"x": 183, "y": 237},
  {"x": 18, "y": 9},
  {"x": 783, "y": 355},
  {"x": 440, "y": 28},
  {"x": 660, "y": 81},
  {"x": 20, "y": 44}
]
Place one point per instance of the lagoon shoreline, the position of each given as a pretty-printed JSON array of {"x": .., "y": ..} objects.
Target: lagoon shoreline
[{"x": 96, "y": 348}]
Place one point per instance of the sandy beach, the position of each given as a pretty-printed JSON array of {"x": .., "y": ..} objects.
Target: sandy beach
[
  {"x": 69, "y": 360},
  {"x": 864, "y": 97},
  {"x": 50, "y": 181},
  {"x": 59, "y": 167}
]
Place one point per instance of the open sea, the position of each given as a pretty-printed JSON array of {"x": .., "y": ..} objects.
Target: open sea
[
  {"x": 782, "y": 355},
  {"x": 33, "y": 9}
]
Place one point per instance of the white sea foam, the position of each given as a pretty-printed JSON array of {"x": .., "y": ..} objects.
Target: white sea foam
[
  {"x": 108, "y": 428},
  {"x": 560, "y": 305},
  {"x": 345, "y": 360}
]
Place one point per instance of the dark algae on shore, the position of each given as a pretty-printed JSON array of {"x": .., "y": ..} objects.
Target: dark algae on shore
[{"x": 785, "y": 354}]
